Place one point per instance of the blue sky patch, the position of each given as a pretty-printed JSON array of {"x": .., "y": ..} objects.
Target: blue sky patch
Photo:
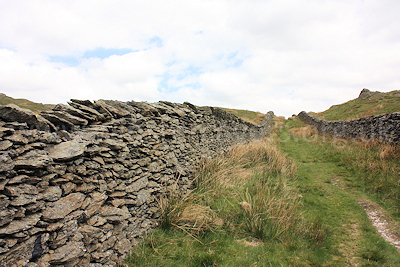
[
  {"x": 68, "y": 60},
  {"x": 157, "y": 41},
  {"x": 103, "y": 53},
  {"x": 189, "y": 71}
]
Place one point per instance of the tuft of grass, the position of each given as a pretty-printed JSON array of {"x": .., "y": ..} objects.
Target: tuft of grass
[{"x": 270, "y": 209}]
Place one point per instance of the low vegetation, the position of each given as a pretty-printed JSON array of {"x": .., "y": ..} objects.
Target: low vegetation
[
  {"x": 245, "y": 210},
  {"x": 23, "y": 103},
  {"x": 334, "y": 176},
  {"x": 377, "y": 104}
]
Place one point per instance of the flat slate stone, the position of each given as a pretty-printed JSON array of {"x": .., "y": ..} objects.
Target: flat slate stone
[
  {"x": 67, "y": 151},
  {"x": 33, "y": 159},
  {"x": 6, "y": 163},
  {"x": 67, "y": 253},
  {"x": 4, "y": 145},
  {"x": 63, "y": 207},
  {"x": 20, "y": 225}
]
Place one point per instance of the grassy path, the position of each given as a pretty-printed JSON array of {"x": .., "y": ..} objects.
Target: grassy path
[{"x": 352, "y": 239}]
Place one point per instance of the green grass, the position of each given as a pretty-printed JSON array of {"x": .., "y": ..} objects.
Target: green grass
[
  {"x": 23, "y": 103},
  {"x": 331, "y": 177},
  {"x": 379, "y": 103}
]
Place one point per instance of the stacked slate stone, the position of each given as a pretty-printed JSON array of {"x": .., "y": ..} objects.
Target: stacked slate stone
[
  {"x": 79, "y": 184},
  {"x": 383, "y": 128}
]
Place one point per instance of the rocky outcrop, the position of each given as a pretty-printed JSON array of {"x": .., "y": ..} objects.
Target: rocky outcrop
[
  {"x": 383, "y": 128},
  {"x": 367, "y": 94},
  {"x": 79, "y": 184}
]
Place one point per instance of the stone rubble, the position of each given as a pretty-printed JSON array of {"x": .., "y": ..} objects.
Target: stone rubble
[{"x": 79, "y": 184}]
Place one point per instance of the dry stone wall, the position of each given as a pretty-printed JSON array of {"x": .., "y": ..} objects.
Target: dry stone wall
[
  {"x": 79, "y": 184},
  {"x": 383, "y": 128}
]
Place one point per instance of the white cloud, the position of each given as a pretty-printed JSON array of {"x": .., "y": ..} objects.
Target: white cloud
[{"x": 284, "y": 56}]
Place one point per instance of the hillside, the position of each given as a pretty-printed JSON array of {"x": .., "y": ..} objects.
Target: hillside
[
  {"x": 367, "y": 104},
  {"x": 247, "y": 115},
  {"x": 23, "y": 103}
]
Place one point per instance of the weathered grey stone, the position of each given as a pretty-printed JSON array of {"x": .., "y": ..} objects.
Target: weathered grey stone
[
  {"x": 23, "y": 179},
  {"x": 70, "y": 118},
  {"x": 103, "y": 109},
  {"x": 90, "y": 233},
  {"x": 35, "y": 207},
  {"x": 23, "y": 199},
  {"x": 96, "y": 221},
  {"x": 6, "y": 131},
  {"x": 117, "y": 112},
  {"x": 3, "y": 183},
  {"x": 6, "y": 216},
  {"x": 67, "y": 151},
  {"x": 18, "y": 256},
  {"x": 6, "y": 163},
  {"x": 4, "y": 145},
  {"x": 20, "y": 225},
  {"x": 142, "y": 197},
  {"x": 12, "y": 112},
  {"x": 68, "y": 187},
  {"x": 74, "y": 112},
  {"x": 117, "y": 202},
  {"x": 136, "y": 186},
  {"x": 33, "y": 159},
  {"x": 4, "y": 201},
  {"x": 18, "y": 138},
  {"x": 57, "y": 121},
  {"x": 47, "y": 138},
  {"x": 97, "y": 201},
  {"x": 67, "y": 253},
  {"x": 62, "y": 207},
  {"x": 89, "y": 110},
  {"x": 20, "y": 189},
  {"x": 114, "y": 144},
  {"x": 113, "y": 214},
  {"x": 85, "y": 188},
  {"x": 123, "y": 246},
  {"x": 53, "y": 193}
]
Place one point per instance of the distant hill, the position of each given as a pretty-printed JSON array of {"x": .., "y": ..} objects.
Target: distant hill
[
  {"x": 367, "y": 104},
  {"x": 23, "y": 103},
  {"x": 247, "y": 115}
]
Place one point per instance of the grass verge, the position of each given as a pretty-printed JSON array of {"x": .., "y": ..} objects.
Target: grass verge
[
  {"x": 245, "y": 210},
  {"x": 332, "y": 175}
]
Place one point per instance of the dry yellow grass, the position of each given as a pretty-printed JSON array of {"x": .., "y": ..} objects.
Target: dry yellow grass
[{"x": 303, "y": 132}]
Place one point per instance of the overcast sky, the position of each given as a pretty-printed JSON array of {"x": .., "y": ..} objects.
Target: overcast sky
[{"x": 284, "y": 56}]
